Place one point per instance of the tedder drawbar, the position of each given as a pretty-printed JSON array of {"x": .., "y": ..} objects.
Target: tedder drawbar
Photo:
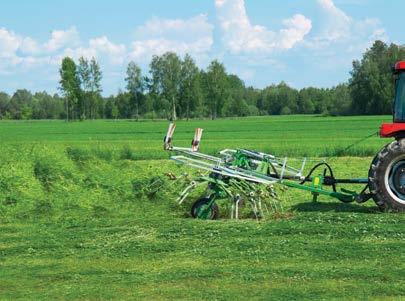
[{"x": 241, "y": 174}]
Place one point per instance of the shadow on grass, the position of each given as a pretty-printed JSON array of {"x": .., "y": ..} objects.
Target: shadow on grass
[{"x": 333, "y": 207}]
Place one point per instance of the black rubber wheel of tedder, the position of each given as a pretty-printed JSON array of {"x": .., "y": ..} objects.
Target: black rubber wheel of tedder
[
  {"x": 214, "y": 210},
  {"x": 386, "y": 177}
]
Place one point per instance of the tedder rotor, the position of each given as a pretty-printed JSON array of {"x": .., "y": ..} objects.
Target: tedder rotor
[{"x": 236, "y": 174}]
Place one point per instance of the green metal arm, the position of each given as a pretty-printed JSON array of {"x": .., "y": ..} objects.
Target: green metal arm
[{"x": 345, "y": 196}]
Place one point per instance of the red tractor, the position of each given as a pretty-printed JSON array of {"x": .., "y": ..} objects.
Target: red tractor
[{"x": 386, "y": 176}]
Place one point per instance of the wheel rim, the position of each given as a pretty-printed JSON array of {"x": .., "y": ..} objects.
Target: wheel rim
[
  {"x": 204, "y": 211},
  {"x": 395, "y": 180}
]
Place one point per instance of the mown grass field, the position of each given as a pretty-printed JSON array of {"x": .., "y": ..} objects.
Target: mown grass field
[
  {"x": 290, "y": 136},
  {"x": 75, "y": 222}
]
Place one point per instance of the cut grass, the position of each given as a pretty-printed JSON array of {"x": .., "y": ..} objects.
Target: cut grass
[
  {"x": 76, "y": 221},
  {"x": 310, "y": 256}
]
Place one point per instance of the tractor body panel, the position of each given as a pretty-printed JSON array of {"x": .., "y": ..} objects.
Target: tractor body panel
[
  {"x": 388, "y": 130},
  {"x": 397, "y": 128},
  {"x": 399, "y": 66}
]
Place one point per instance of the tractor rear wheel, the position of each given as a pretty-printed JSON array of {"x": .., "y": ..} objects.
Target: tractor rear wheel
[{"x": 386, "y": 177}]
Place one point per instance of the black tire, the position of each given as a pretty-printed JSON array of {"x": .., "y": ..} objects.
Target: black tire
[
  {"x": 202, "y": 201},
  {"x": 387, "y": 175}
]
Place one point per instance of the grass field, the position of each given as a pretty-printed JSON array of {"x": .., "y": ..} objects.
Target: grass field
[
  {"x": 292, "y": 135},
  {"x": 75, "y": 223}
]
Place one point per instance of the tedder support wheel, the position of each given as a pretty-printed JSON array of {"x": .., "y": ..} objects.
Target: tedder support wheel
[
  {"x": 203, "y": 208},
  {"x": 386, "y": 177}
]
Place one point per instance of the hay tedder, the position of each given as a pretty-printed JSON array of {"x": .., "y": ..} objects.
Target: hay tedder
[{"x": 242, "y": 175}]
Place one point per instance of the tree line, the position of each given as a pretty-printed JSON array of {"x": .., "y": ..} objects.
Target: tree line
[{"x": 176, "y": 88}]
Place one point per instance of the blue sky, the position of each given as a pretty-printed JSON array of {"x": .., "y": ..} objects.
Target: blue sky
[{"x": 303, "y": 42}]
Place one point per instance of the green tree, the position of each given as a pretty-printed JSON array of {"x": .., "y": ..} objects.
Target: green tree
[
  {"x": 45, "y": 106},
  {"x": 135, "y": 86},
  {"x": 190, "y": 87},
  {"x": 306, "y": 101},
  {"x": 83, "y": 71},
  {"x": 235, "y": 105},
  {"x": 340, "y": 100},
  {"x": 371, "y": 84},
  {"x": 20, "y": 105},
  {"x": 114, "y": 112},
  {"x": 123, "y": 104},
  {"x": 4, "y": 101},
  {"x": 252, "y": 97},
  {"x": 166, "y": 77},
  {"x": 95, "y": 89},
  {"x": 216, "y": 88},
  {"x": 70, "y": 86}
]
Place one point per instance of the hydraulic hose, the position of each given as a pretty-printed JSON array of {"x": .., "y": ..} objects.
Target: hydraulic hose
[{"x": 308, "y": 177}]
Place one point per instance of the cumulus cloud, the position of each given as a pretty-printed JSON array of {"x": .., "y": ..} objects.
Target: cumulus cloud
[
  {"x": 240, "y": 36},
  {"x": 62, "y": 38},
  {"x": 184, "y": 29},
  {"x": 9, "y": 42},
  {"x": 20, "y": 53},
  {"x": 9, "y": 45},
  {"x": 24, "y": 51},
  {"x": 100, "y": 48},
  {"x": 338, "y": 28},
  {"x": 115, "y": 52},
  {"x": 336, "y": 24},
  {"x": 332, "y": 35},
  {"x": 156, "y": 36},
  {"x": 29, "y": 46}
]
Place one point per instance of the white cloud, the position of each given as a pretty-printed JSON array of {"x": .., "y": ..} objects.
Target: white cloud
[
  {"x": 336, "y": 23},
  {"x": 240, "y": 36},
  {"x": 338, "y": 28},
  {"x": 145, "y": 49},
  {"x": 115, "y": 52},
  {"x": 333, "y": 36},
  {"x": 62, "y": 38},
  {"x": 9, "y": 43},
  {"x": 296, "y": 29},
  {"x": 156, "y": 36},
  {"x": 30, "y": 46},
  {"x": 184, "y": 29},
  {"x": 100, "y": 48},
  {"x": 26, "y": 53}
]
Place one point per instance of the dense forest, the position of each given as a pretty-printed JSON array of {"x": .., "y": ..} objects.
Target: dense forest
[{"x": 176, "y": 88}]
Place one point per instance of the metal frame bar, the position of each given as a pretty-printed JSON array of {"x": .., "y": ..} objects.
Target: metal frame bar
[{"x": 240, "y": 164}]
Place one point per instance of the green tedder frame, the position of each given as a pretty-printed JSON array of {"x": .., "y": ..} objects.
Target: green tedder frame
[{"x": 251, "y": 175}]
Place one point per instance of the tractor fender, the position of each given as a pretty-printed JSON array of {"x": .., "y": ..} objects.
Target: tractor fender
[{"x": 388, "y": 130}]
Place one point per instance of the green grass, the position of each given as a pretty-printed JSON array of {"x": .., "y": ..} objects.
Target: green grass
[
  {"x": 76, "y": 223},
  {"x": 282, "y": 135}
]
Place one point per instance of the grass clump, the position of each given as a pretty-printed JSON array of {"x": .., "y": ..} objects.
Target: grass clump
[
  {"x": 43, "y": 207},
  {"x": 148, "y": 187},
  {"x": 102, "y": 153},
  {"x": 78, "y": 155},
  {"x": 48, "y": 171},
  {"x": 126, "y": 153}
]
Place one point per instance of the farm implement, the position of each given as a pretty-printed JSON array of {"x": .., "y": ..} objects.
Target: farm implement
[{"x": 242, "y": 175}]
